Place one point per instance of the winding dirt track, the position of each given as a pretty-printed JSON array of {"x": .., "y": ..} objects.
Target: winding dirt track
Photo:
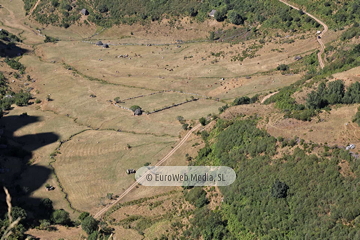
[
  {"x": 132, "y": 186},
  {"x": 268, "y": 96},
  {"x": 322, "y": 46},
  {"x": 36, "y": 4}
]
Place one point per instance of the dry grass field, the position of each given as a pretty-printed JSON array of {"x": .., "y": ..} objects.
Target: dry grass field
[
  {"x": 95, "y": 154},
  {"x": 100, "y": 158},
  {"x": 335, "y": 129},
  {"x": 33, "y": 134},
  {"x": 187, "y": 67},
  {"x": 161, "y": 211}
]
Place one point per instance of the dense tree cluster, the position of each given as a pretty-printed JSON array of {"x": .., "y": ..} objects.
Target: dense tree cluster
[
  {"x": 336, "y": 13},
  {"x": 14, "y": 64},
  {"x": 245, "y": 100},
  {"x": 311, "y": 200},
  {"x": 351, "y": 32},
  {"x": 9, "y": 37},
  {"x": 56, "y": 12},
  {"x": 333, "y": 93},
  {"x": 45, "y": 212}
]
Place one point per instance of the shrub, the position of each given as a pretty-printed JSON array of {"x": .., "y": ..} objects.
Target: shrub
[
  {"x": 50, "y": 39},
  {"x": 185, "y": 126},
  {"x": 117, "y": 100},
  {"x": 223, "y": 108},
  {"x": 61, "y": 217},
  {"x": 283, "y": 67},
  {"x": 180, "y": 119},
  {"x": 103, "y": 8}
]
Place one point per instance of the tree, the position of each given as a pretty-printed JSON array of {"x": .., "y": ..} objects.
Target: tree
[
  {"x": 44, "y": 224},
  {"x": 180, "y": 119},
  {"x": 109, "y": 196},
  {"x": 220, "y": 15},
  {"x": 241, "y": 100},
  {"x": 223, "y": 108},
  {"x": 61, "y": 217},
  {"x": 83, "y": 215},
  {"x": 335, "y": 92},
  {"x": 89, "y": 225},
  {"x": 103, "y": 8},
  {"x": 204, "y": 135},
  {"x": 18, "y": 212},
  {"x": 279, "y": 189},
  {"x": 134, "y": 107},
  {"x": 196, "y": 196},
  {"x": 55, "y": 3},
  {"x": 203, "y": 121},
  {"x": 185, "y": 126},
  {"x": 193, "y": 12},
  {"x": 22, "y": 98},
  {"x": 117, "y": 100},
  {"x": 356, "y": 49},
  {"x": 67, "y": 7},
  {"x": 315, "y": 101},
  {"x": 283, "y": 67},
  {"x": 49, "y": 39},
  {"x": 93, "y": 236},
  {"x": 47, "y": 204},
  {"x": 235, "y": 17},
  {"x": 352, "y": 94}
]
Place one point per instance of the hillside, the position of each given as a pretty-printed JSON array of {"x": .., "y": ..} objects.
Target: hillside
[
  {"x": 86, "y": 99},
  {"x": 306, "y": 191},
  {"x": 271, "y": 13}
]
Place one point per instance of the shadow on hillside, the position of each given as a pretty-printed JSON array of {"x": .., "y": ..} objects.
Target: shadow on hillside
[
  {"x": 20, "y": 177},
  {"x": 11, "y": 50}
]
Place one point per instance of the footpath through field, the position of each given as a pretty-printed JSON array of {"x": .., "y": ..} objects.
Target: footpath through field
[
  {"x": 319, "y": 39},
  {"x": 132, "y": 186}
]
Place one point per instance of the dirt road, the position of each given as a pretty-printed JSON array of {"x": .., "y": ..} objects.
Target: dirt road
[
  {"x": 132, "y": 186},
  {"x": 322, "y": 46},
  {"x": 36, "y": 4},
  {"x": 268, "y": 96}
]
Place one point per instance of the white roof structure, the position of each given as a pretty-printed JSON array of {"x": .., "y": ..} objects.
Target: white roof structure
[{"x": 212, "y": 13}]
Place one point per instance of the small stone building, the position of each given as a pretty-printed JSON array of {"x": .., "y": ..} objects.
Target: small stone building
[
  {"x": 138, "y": 112},
  {"x": 84, "y": 11},
  {"x": 212, "y": 13}
]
